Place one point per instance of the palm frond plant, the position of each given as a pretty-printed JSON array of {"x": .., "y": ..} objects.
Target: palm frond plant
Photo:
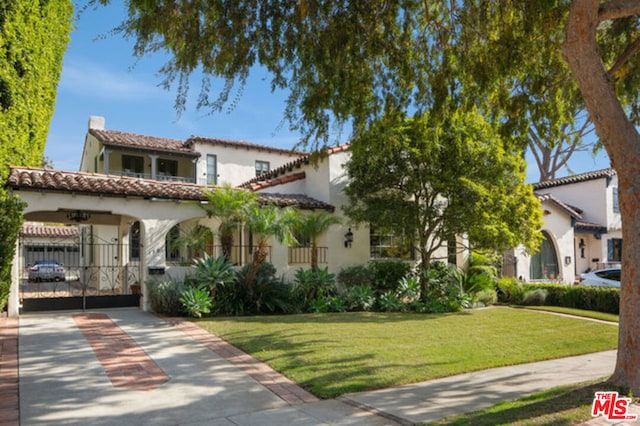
[
  {"x": 312, "y": 226},
  {"x": 227, "y": 204}
]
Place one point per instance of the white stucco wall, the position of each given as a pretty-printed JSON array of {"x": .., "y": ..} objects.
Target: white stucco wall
[
  {"x": 590, "y": 196},
  {"x": 236, "y": 165}
]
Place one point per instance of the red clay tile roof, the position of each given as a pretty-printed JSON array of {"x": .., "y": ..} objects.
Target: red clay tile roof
[
  {"x": 583, "y": 177},
  {"x": 289, "y": 167},
  {"x": 277, "y": 181},
  {"x": 572, "y": 211},
  {"x": 132, "y": 140},
  {"x": 48, "y": 180},
  {"x": 239, "y": 144},
  {"x": 43, "y": 231}
]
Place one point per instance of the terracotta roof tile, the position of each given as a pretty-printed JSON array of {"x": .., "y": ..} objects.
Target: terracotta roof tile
[
  {"x": 290, "y": 166},
  {"x": 583, "y": 177},
  {"x": 239, "y": 144},
  {"x": 572, "y": 211},
  {"x": 133, "y": 140},
  {"x": 48, "y": 180},
  {"x": 277, "y": 181},
  {"x": 43, "y": 231}
]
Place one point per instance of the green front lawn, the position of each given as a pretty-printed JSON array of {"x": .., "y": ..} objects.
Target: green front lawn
[{"x": 332, "y": 354}]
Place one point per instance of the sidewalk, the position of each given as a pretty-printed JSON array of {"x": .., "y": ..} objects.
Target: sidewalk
[{"x": 127, "y": 366}]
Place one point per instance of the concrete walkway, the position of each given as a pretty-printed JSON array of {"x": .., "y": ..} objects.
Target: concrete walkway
[{"x": 129, "y": 367}]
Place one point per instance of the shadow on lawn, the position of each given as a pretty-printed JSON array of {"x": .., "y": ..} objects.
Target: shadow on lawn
[{"x": 561, "y": 406}]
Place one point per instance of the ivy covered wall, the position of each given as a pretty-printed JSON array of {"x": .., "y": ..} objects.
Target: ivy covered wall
[{"x": 33, "y": 38}]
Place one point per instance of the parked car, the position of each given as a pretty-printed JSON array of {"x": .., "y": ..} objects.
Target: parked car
[
  {"x": 602, "y": 278},
  {"x": 46, "y": 271}
]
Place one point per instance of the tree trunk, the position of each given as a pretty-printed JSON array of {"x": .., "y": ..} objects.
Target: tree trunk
[
  {"x": 226, "y": 239},
  {"x": 259, "y": 257},
  {"x": 622, "y": 142},
  {"x": 314, "y": 257}
]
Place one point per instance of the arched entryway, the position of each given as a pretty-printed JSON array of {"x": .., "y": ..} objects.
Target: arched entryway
[{"x": 544, "y": 264}]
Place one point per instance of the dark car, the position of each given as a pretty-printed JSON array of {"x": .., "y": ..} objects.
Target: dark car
[{"x": 46, "y": 271}]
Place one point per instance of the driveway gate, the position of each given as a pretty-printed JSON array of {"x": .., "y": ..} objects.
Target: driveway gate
[{"x": 77, "y": 275}]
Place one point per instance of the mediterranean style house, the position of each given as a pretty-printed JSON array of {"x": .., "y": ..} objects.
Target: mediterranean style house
[
  {"x": 582, "y": 228},
  {"x": 135, "y": 197}
]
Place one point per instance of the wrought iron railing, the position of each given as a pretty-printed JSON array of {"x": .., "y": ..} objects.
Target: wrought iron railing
[{"x": 302, "y": 255}]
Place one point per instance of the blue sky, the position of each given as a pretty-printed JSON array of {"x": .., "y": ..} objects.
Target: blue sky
[{"x": 101, "y": 77}]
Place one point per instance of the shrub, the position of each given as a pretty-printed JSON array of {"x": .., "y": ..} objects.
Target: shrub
[
  {"x": 409, "y": 290},
  {"x": 389, "y": 302},
  {"x": 480, "y": 278},
  {"x": 442, "y": 289},
  {"x": 269, "y": 295},
  {"x": 356, "y": 275},
  {"x": 486, "y": 297},
  {"x": 535, "y": 297},
  {"x": 360, "y": 298},
  {"x": 388, "y": 273},
  {"x": 327, "y": 304},
  {"x": 10, "y": 221},
  {"x": 310, "y": 284},
  {"x": 196, "y": 301},
  {"x": 164, "y": 296},
  {"x": 510, "y": 290},
  {"x": 213, "y": 272},
  {"x": 601, "y": 299}
]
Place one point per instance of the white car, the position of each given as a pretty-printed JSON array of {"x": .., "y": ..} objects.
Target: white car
[{"x": 602, "y": 278}]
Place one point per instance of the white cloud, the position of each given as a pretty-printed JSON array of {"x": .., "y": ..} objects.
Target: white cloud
[{"x": 92, "y": 80}]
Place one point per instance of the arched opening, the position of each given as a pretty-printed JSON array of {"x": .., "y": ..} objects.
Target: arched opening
[{"x": 544, "y": 264}]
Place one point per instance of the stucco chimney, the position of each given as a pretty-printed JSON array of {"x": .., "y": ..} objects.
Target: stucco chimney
[{"x": 96, "y": 122}]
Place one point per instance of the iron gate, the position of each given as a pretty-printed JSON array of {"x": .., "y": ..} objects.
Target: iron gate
[{"x": 82, "y": 274}]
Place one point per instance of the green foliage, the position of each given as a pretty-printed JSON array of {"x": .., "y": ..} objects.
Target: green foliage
[
  {"x": 389, "y": 302},
  {"x": 33, "y": 39},
  {"x": 416, "y": 165},
  {"x": 313, "y": 225},
  {"x": 353, "y": 276},
  {"x": 326, "y": 304},
  {"x": 409, "y": 290},
  {"x": 486, "y": 297},
  {"x": 388, "y": 273},
  {"x": 309, "y": 285},
  {"x": 442, "y": 290},
  {"x": 510, "y": 290},
  {"x": 359, "y": 298},
  {"x": 213, "y": 272},
  {"x": 196, "y": 301},
  {"x": 535, "y": 297},
  {"x": 10, "y": 221},
  {"x": 164, "y": 296},
  {"x": 600, "y": 299}
]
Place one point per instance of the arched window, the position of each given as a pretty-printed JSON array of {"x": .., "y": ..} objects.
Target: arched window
[
  {"x": 134, "y": 241},
  {"x": 544, "y": 264}
]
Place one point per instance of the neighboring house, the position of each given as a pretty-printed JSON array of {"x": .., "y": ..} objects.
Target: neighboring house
[
  {"x": 136, "y": 197},
  {"x": 582, "y": 228}
]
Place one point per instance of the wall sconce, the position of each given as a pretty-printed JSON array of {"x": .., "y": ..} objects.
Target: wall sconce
[
  {"x": 348, "y": 238},
  {"x": 582, "y": 244}
]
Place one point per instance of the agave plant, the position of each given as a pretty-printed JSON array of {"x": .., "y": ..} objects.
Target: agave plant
[{"x": 212, "y": 272}]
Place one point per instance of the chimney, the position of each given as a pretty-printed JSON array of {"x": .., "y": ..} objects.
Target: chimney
[{"x": 96, "y": 122}]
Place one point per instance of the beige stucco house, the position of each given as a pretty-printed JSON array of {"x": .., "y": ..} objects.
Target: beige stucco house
[
  {"x": 582, "y": 228},
  {"x": 136, "y": 194}
]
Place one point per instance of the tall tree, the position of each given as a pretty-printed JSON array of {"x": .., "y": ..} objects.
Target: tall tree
[
  {"x": 352, "y": 61},
  {"x": 443, "y": 178}
]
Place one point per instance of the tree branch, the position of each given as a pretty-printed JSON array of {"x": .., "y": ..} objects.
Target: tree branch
[{"x": 615, "y": 9}]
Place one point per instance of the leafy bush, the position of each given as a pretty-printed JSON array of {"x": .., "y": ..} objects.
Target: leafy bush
[
  {"x": 310, "y": 284},
  {"x": 389, "y": 302},
  {"x": 10, "y": 221},
  {"x": 327, "y": 304},
  {"x": 213, "y": 272},
  {"x": 442, "y": 289},
  {"x": 164, "y": 296},
  {"x": 480, "y": 278},
  {"x": 356, "y": 275},
  {"x": 268, "y": 295},
  {"x": 510, "y": 290},
  {"x": 601, "y": 299},
  {"x": 409, "y": 290},
  {"x": 388, "y": 273},
  {"x": 360, "y": 298},
  {"x": 486, "y": 297},
  {"x": 535, "y": 297},
  {"x": 196, "y": 301}
]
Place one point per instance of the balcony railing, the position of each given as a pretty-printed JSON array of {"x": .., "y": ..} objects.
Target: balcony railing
[
  {"x": 239, "y": 256},
  {"x": 302, "y": 255},
  {"x": 161, "y": 177}
]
